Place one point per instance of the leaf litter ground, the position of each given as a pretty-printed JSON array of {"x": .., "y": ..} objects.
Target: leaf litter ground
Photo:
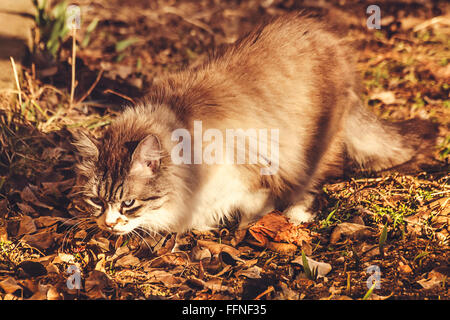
[{"x": 396, "y": 223}]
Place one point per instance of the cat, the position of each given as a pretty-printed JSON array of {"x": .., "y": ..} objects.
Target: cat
[{"x": 292, "y": 76}]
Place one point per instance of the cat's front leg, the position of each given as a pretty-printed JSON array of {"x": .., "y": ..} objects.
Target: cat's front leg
[
  {"x": 254, "y": 206},
  {"x": 300, "y": 210},
  {"x": 299, "y": 213}
]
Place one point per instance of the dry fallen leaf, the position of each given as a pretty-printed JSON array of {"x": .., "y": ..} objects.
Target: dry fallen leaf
[
  {"x": 252, "y": 272},
  {"x": 268, "y": 227},
  {"x": 321, "y": 267},
  {"x": 97, "y": 284},
  {"x": 53, "y": 294},
  {"x": 404, "y": 268},
  {"x": 167, "y": 246},
  {"x": 3, "y": 207},
  {"x": 164, "y": 277},
  {"x": 101, "y": 263},
  {"x": 342, "y": 297},
  {"x": 3, "y": 231},
  {"x": 200, "y": 254},
  {"x": 40, "y": 292},
  {"x": 216, "y": 248},
  {"x": 440, "y": 72},
  {"x": 100, "y": 242},
  {"x": 28, "y": 195},
  {"x": 32, "y": 268},
  {"x": 350, "y": 230},
  {"x": 283, "y": 248},
  {"x": 46, "y": 221},
  {"x": 276, "y": 226},
  {"x": 286, "y": 293},
  {"x": 26, "y": 226},
  {"x": 64, "y": 258},
  {"x": 434, "y": 279},
  {"x": 295, "y": 235},
  {"x": 216, "y": 285},
  {"x": 128, "y": 260},
  {"x": 9, "y": 285},
  {"x": 375, "y": 296},
  {"x": 41, "y": 240},
  {"x": 230, "y": 259},
  {"x": 239, "y": 235},
  {"x": 26, "y": 209},
  {"x": 387, "y": 97},
  {"x": 169, "y": 259}
]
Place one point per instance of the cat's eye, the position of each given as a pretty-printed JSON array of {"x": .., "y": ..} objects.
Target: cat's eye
[
  {"x": 127, "y": 203},
  {"x": 96, "y": 201}
]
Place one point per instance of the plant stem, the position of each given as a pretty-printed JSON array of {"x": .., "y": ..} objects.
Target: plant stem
[
  {"x": 74, "y": 56},
  {"x": 16, "y": 77}
]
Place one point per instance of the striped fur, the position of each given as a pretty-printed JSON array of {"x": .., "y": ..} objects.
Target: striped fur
[{"x": 291, "y": 74}]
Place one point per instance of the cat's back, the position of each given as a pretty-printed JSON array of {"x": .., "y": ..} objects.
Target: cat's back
[
  {"x": 275, "y": 70},
  {"x": 291, "y": 39}
]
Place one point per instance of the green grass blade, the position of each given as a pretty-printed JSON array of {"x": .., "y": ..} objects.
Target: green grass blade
[
  {"x": 383, "y": 238},
  {"x": 369, "y": 292},
  {"x": 306, "y": 267},
  {"x": 122, "y": 45}
]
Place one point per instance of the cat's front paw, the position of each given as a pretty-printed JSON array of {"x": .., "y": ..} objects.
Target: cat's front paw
[{"x": 298, "y": 214}]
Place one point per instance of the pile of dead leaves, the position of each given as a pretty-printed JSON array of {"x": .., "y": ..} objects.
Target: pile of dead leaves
[
  {"x": 49, "y": 249},
  {"x": 49, "y": 257},
  {"x": 63, "y": 263}
]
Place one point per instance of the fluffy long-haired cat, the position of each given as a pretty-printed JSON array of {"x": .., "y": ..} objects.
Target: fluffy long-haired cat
[{"x": 256, "y": 126}]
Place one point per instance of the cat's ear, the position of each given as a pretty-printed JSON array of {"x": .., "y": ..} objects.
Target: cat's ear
[
  {"x": 86, "y": 153},
  {"x": 146, "y": 158},
  {"x": 85, "y": 145}
]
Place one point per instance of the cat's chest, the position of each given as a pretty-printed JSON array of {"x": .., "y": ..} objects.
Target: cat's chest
[{"x": 224, "y": 190}]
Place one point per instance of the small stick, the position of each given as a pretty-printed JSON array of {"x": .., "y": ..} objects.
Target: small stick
[
  {"x": 33, "y": 71},
  {"x": 267, "y": 291},
  {"x": 119, "y": 94},
  {"x": 17, "y": 81},
  {"x": 74, "y": 56},
  {"x": 99, "y": 75}
]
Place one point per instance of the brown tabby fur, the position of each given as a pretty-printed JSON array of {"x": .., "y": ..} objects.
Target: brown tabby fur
[{"x": 291, "y": 74}]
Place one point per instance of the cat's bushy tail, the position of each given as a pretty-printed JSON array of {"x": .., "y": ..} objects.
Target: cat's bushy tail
[{"x": 377, "y": 144}]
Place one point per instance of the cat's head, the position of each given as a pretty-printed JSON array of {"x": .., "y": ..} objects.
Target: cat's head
[{"x": 122, "y": 177}]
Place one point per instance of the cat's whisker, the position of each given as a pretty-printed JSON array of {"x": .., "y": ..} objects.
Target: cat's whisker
[
  {"x": 146, "y": 233},
  {"x": 92, "y": 231},
  {"x": 153, "y": 236},
  {"x": 76, "y": 226},
  {"x": 142, "y": 238},
  {"x": 67, "y": 233},
  {"x": 70, "y": 220},
  {"x": 152, "y": 233},
  {"x": 109, "y": 236}
]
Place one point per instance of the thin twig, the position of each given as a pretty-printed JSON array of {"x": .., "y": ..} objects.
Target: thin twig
[
  {"x": 99, "y": 75},
  {"x": 430, "y": 22},
  {"x": 74, "y": 56},
  {"x": 16, "y": 76},
  {"x": 384, "y": 198},
  {"x": 185, "y": 17},
  {"x": 267, "y": 291},
  {"x": 119, "y": 94}
]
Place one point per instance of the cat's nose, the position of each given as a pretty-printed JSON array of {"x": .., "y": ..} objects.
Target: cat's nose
[
  {"x": 114, "y": 218},
  {"x": 113, "y": 223}
]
